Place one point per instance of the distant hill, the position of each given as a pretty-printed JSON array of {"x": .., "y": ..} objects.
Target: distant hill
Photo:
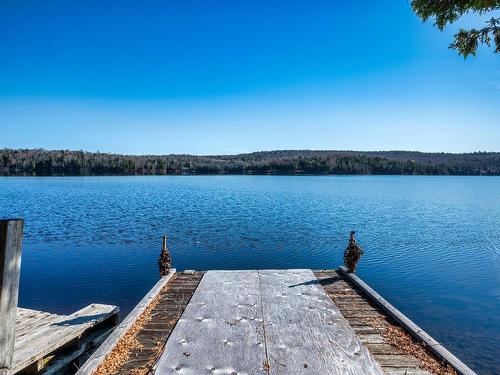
[{"x": 39, "y": 162}]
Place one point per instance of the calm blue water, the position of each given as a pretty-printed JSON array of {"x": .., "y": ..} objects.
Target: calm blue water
[{"x": 431, "y": 244}]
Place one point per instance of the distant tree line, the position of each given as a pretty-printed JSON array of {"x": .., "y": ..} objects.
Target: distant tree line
[{"x": 39, "y": 162}]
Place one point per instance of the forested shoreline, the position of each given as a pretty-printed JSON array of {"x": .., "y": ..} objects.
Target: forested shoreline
[{"x": 40, "y": 162}]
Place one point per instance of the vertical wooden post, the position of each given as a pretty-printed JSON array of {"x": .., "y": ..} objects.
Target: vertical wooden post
[
  {"x": 11, "y": 236},
  {"x": 164, "y": 261},
  {"x": 164, "y": 243}
]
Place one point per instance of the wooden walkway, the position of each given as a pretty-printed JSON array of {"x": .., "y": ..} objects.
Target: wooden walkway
[
  {"x": 275, "y": 322},
  {"x": 264, "y": 322},
  {"x": 47, "y": 343},
  {"x": 35, "y": 342}
]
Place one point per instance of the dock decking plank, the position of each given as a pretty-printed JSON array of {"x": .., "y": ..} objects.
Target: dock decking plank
[
  {"x": 22, "y": 312},
  {"x": 220, "y": 330},
  {"x": 32, "y": 322},
  {"x": 305, "y": 332}
]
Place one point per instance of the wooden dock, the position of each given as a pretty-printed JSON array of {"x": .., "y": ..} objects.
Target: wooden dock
[
  {"x": 250, "y": 322},
  {"x": 279, "y": 322},
  {"x": 267, "y": 322},
  {"x": 50, "y": 343},
  {"x": 36, "y": 342}
]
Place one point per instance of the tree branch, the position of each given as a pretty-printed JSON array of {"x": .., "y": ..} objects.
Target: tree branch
[{"x": 446, "y": 12}]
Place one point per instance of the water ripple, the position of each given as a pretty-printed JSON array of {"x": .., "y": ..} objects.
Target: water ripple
[{"x": 431, "y": 243}]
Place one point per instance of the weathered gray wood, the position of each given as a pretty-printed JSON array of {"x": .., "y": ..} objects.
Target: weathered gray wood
[
  {"x": 397, "y": 360},
  {"x": 440, "y": 351},
  {"x": 221, "y": 329},
  {"x": 11, "y": 235},
  {"x": 364, "y": 329},
  {"x": 305, "y": 332},
  {"x": 404, "y": 371},
  {"x": 59, "y": 332},
  {"x": 110, "y": 343},
  {"x": 93, "y": 341},
  {"x": 382, "y": 349},
  {"x": 34, "y": 322},
  {"x": 22, "y": 312},
  {"x": 371, "y": 338}
]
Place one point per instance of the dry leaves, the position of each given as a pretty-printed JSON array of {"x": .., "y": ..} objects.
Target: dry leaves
[
  {"x": 121, "y": 352},
  {"x": 402, "y": 340},
  {"x": 399, "y": 338}
]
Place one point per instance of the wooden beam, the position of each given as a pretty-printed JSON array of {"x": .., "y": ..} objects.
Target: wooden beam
[
  {"x": 11, "y": 237},
  {"x": 418, "y": 333}
]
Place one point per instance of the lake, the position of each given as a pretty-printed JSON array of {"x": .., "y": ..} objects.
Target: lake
[{"x": 432, "y": 244}]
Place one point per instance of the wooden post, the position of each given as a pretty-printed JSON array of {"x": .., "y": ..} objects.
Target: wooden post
[
  {"x": 11, "y": 236},
  {"x": 164, "y": 243},
  {"x": 165, "y": 261},
  {"x": 352, "y": 254}
]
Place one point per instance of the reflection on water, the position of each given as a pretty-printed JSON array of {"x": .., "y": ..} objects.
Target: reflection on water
[{"x": 431, "y": 243}]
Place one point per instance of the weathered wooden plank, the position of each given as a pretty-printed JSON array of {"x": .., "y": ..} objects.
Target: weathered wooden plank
[
  {"x": 29, "y": 317},
  {"x": 396, "y": 360},
  {"x": 440, "y": 351},
  {"x": 67, "y": 322},
  {"x": 356, "y": 322},
  {"x": 364, "y": 307},
  {"x": 353, "y": 314},
  {"x": 364, "y": 329},
  {"x": 34, "y": 323},
  {"x": 11, "y": 236},
  {"x": 92, "y": 341},
  {"x": 304, "y": 330},
  {"x": 100, "y": 354},
  {"x": 404, "y": 371},
  {"x": 62, "y": 330},
  {"x": 382, "y": 349},
  {"x": 221, "y": 329},
  {"x": 371, "y": 338},
  {"x": 33, "y": 320},
  {"x": 23, "y": 312}
]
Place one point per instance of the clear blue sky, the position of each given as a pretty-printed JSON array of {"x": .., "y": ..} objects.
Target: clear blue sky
[{"x": 235, "y": 76}]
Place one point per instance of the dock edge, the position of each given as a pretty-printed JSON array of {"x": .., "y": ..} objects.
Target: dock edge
[
  {"x": 91, "y": 365},
  {"x": 418, "y": 333}
]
